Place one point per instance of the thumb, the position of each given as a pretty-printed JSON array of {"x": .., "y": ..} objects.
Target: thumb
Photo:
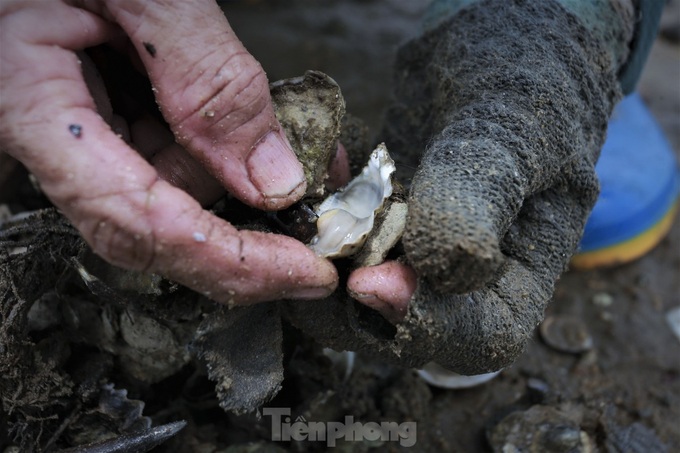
[
  {"x": 215, "y": 96},
  {"x": 458, "y": 212}
]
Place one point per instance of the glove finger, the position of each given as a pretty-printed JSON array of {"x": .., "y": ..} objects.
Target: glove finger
[
  {"x": 507, "y": 108},
  {"x": 550, "y": 224},
  {"x": 487, "y": 329}
]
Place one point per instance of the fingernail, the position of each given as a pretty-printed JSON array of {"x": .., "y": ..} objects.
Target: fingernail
[
  {"x": 317, "y": 292},
  {"x": 371, "y": 300},
  {"x": 275, "y": 171},
  {"x": 359, "y": 296}
]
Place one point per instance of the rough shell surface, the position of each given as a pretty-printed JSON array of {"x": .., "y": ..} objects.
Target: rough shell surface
[
  {"x": 347, "y": 216},
  {"x": 310, "y": 109},
  {"x": 389, "y": 228}
]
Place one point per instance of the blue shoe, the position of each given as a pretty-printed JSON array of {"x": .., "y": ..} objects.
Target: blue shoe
[{"x": 640, "y": 182}]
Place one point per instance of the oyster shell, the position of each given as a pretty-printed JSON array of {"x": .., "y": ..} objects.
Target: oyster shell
[
  {"x": 347, "y": 216},
  {"x": 390, "y": 225},
  {"x": 310, "y": 109}
]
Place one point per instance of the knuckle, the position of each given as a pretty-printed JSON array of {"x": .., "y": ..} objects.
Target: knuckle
[
  {"x": 239, "y": 92},
  {"x": 121, "y": 239},
  {"x": 122, "y": 246}
]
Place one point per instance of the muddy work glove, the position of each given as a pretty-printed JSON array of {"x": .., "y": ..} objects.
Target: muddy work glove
[{"x": 510, "y": 102}]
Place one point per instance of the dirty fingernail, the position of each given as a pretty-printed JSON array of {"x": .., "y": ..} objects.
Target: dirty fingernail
[
  {"x": 318, "y": 292},
  {"x": 359, "y": 296},
  {"x": 275, "y": 171},
  {"x": 368, "y": 299}
]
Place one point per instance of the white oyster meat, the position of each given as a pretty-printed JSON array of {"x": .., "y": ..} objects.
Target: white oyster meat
[{"x": 347, "y": 216}]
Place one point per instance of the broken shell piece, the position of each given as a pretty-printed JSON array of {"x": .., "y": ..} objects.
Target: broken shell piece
[
  {"x": 347, "y": 216},
  {"x": 384, "y": 236},
  {"x": 438, "y": 376},
  {"x": 566, "y": 333},
  {"x": 343, "y": 361}
]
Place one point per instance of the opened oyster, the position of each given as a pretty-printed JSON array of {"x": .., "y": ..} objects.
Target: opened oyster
[
  {"x": 311, "y": 109},
  {"x": 347, "y": 216}
]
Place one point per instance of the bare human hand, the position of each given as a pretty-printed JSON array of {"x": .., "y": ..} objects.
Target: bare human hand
[{"x": 215, "y": 97}]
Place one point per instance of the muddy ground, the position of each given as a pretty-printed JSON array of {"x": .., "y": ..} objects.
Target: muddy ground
[{"x": 621, "y": 394}]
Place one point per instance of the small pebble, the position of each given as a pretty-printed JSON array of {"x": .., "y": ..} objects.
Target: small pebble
[
  {"x": 606, "y": 316},
  {"x": 566, "y": 333},
  {"x": 5, "y": 213},
  {"x": 538, "y": 429},
  {"x": 634, "y": 438},
  {"x": 603, "y": 299},
  {"x": 537, "y": 390},
  {"x": 562, "y": 438}
]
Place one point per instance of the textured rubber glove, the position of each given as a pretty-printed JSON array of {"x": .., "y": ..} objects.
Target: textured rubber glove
[{"x": 510, "y": 101}]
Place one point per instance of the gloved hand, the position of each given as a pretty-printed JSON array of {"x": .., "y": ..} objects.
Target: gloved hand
[{"x": 510, "y": 100}]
